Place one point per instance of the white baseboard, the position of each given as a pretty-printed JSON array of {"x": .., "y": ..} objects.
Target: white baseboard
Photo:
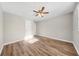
[
  {"x": 6, "y": 43},
  {"x": 64, "y": 41},
  {"x": 76, "y": 48},
  {"x": 57, "y": 38},
  {"x": 1, "y": 49},
  {"x": 40, "y": 35}
]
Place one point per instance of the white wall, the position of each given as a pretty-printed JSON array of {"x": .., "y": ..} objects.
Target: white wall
[
  {"x": 57, "y": 28},
  {"x": 76, "y": 28},
  {"x": 33, "y": 28},
  {"x": 14, "y": 27},
  {"x": 30, "y": 28},
  {"x": 17, "y": 28},
  {"x": 1, "y": 28}
]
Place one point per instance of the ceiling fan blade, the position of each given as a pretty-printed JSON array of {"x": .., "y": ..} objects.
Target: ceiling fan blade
[
  {"x": 35, "y": 11},
  {"x": 45, "y": 12},
  {"x": 42, "y": 8},
  {"x": 36, "y": 15}
]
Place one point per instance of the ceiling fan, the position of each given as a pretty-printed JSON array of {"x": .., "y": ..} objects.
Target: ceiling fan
[{"x": 40, "y": 12}]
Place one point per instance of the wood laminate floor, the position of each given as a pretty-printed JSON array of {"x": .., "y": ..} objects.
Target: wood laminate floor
[{"x": 39, "y": 46}]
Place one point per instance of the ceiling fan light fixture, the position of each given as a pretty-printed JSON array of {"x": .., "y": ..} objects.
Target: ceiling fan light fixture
[
  {"x": 41, "y": 15},
  {"x": 40, "y": 12}
]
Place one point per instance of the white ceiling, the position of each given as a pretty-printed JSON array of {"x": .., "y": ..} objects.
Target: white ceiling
[{"x": 25, "y": 9}]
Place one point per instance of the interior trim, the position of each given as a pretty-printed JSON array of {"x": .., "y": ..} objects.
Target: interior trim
[
  {"x": 11, "y": 42},
  {"x": 7, "y": 44},
  {"x": 75, "y": 48},
  {"x": 1, "y": 49},
  {"x": 57, "y": 39},
  {"x": 40, "y": 35}
]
